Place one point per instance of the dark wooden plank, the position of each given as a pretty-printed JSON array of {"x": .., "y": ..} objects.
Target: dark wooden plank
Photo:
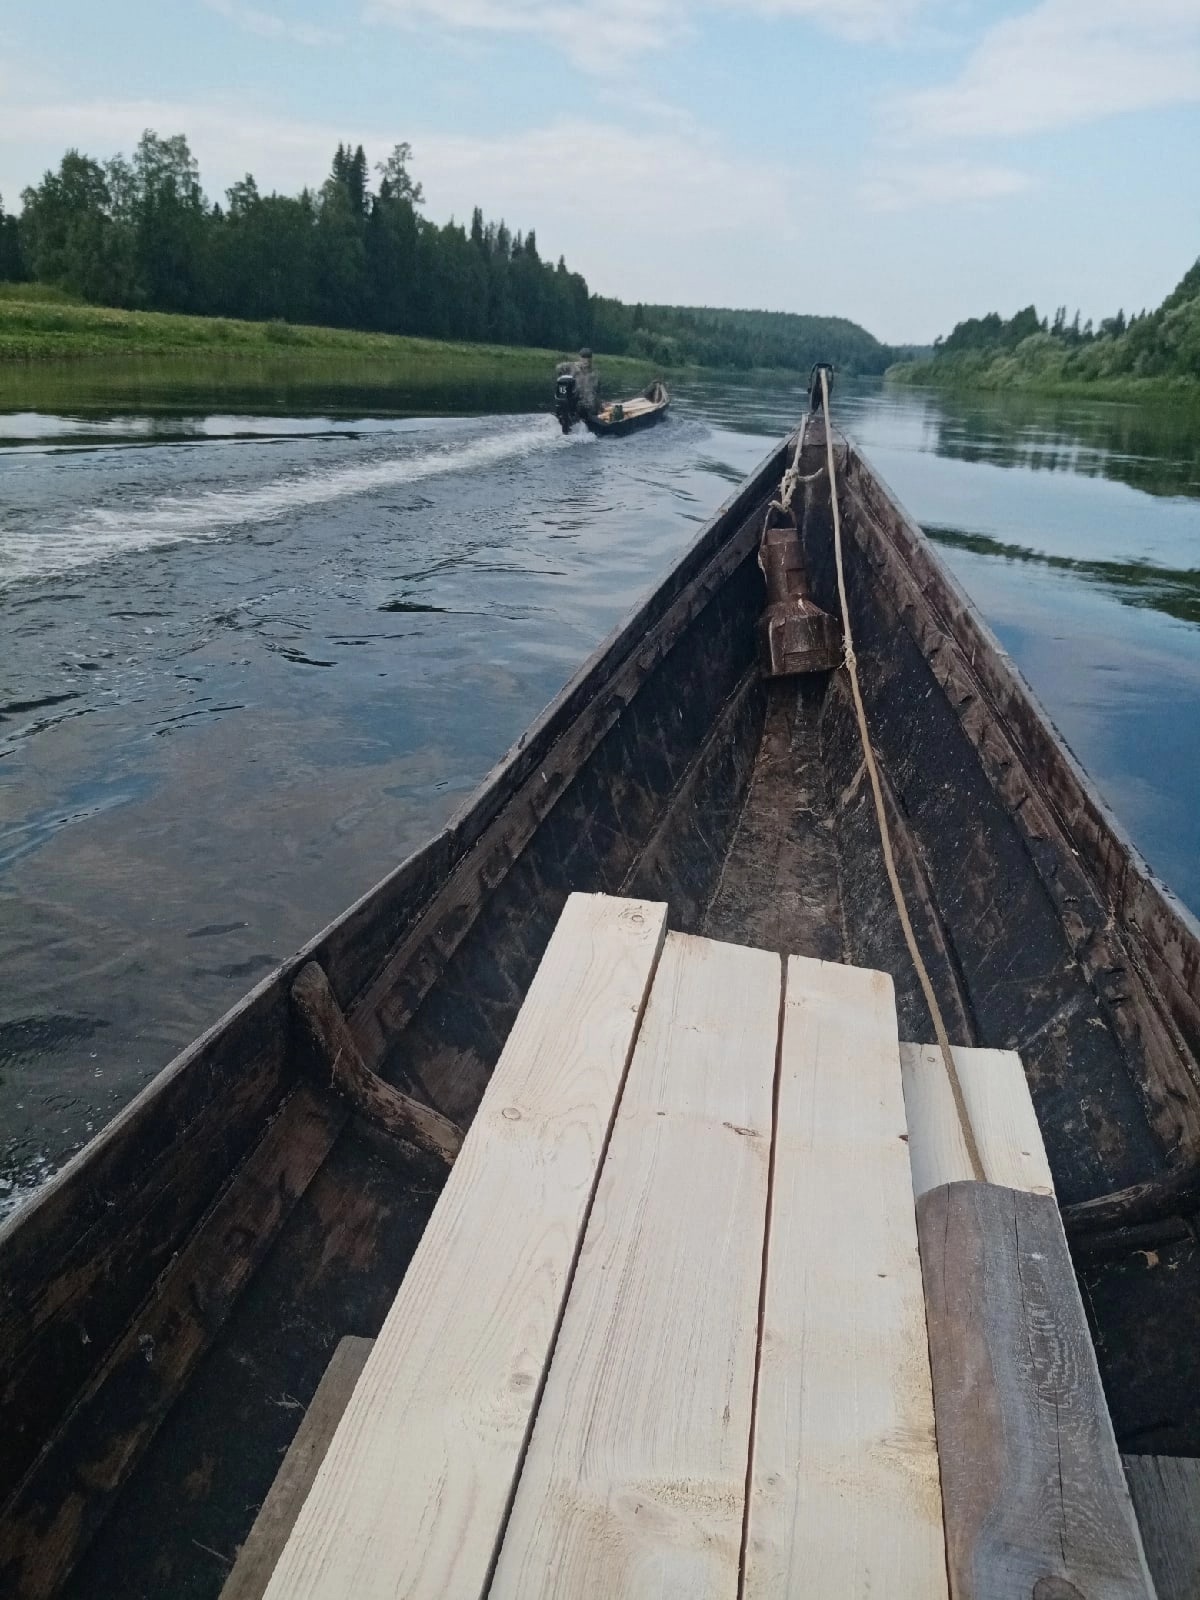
[
  {"x": 61, "y": 1503},
  {"x": 1035, "y": 1501},
  {"x": 1138, "y": 946},
  {"x": 1175, "y": 1194},
  {"x": 1166, "y": 1497},
  {"x": 397, "y": 1113},
  {"x": 76, "y": 1262},
  {"x": 264, "y": 1544}
]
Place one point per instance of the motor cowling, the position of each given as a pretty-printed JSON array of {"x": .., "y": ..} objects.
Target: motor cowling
[{"x": 566, "y": 400}]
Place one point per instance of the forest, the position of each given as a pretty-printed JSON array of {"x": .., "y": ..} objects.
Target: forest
[
  {"x": 358, "y": 253},
  {"x": 738, "y": 340},
  {"x": 1160, "y": 348}
]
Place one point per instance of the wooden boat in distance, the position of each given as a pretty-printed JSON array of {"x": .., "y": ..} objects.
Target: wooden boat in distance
[
  {"x": 624, "y": 416},
  {"x": 169, "y": 1302}
]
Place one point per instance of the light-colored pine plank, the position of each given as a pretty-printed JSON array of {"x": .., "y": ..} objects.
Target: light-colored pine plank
[
  {"x": 412, "y": 1493},
  {"x": 634, "y": 1483},
  {"x": 1002, "y": 1119},
  {"x": 844, "y": 1498},
  {"x": 277, "y": 1517},
  {"x": 1166, "y": 1497}
]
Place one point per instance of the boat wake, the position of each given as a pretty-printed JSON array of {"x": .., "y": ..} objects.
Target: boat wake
[{"x": 107, "y": 532}]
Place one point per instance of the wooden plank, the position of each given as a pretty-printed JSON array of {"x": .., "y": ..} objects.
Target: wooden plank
[
  {"x": 264, "y": 1544},
  {"x": 1166, "y": 1497},
  {"x": 87, "y": 1250},
  {"x": 1139, "y": 949},
  {"x": 635, "y": 1479},
  {"x": 414, "y": 1488},
  {"x": 844, "y": 1487},
  {"x": 1172, "y": 1194},
  {"x": 1035, "y": 1501},
  {"x": 416, "y": 1125},
  {"x": 54, "y": 1514},
  {"x": 1001, "y": 1112}
]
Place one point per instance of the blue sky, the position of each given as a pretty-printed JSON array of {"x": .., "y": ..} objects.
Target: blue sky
[{"x": 902, "y": 162}]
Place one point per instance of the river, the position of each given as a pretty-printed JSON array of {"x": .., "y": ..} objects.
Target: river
[{"x": 250, "y": 660}]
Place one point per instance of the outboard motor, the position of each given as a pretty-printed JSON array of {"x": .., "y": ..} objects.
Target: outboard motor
[{"x": 566, "y": 400}]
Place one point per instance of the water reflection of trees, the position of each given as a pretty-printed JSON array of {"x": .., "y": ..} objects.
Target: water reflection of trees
[
  {"x": 1171, "y": 590},
  {"x": 1152, "y": 448},
  {"x": 293, "y": 386},
  {"x": 1155, "y": 448}
]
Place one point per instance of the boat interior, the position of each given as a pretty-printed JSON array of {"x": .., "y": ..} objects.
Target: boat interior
[
  {"x": 173, "y": 1299},
  {"x": 654, "y": 398}
]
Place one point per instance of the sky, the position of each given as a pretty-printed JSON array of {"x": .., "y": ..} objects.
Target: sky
[{"x": 905, "y": 163}]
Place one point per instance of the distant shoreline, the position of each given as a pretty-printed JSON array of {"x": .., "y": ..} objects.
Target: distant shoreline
[
  {"x": 941, "y": 376},
  {"x": 37, "y": 327}
]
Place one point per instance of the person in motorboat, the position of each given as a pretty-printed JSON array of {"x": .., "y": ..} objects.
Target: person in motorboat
[{"x": 576, "y": 391}]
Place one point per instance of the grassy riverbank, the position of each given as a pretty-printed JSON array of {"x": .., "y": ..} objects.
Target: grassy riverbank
[
  {"x": 1005, "y": 375},
  {"x": 40, "y": 325},
  {"x": 1153, "y": 356}
]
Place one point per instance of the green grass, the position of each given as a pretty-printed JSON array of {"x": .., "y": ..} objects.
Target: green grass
[
  {"x": 45, "y": 294},
  {"x": 39, "y": 324}
]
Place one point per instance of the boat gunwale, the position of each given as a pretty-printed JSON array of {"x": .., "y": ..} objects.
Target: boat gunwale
[
  {"x": 1104, "y": 819},
  {"x": 259, "y": 1022},
  {"x": 601, "y": 428},
  {"x": 1012, "y": 707},
  {"x": 453, "y": 840},
  {"x": 465, "y": 825}
]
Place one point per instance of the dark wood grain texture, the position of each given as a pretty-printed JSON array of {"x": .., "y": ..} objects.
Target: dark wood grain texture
[
  {"x": 1138, "y": 946},
  {"x": 1166, "y": 1497},
  {"x": 406, "y": 1119},
  {"x": 1042, "y": 928},
  {"x": 264, "y": 1544},
  {"x": 83, "y": 1466},
  {"x": 78, "y": 1261},
  {"x": 1036, "y": 1506},
  {"x": 1175, "y": 1194}
]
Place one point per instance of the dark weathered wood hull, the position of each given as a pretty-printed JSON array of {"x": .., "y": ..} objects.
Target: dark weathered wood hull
[{"x": 170, "y": 1301}]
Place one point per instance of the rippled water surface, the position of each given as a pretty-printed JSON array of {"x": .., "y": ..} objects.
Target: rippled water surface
[{"x": 249, "y": 661}]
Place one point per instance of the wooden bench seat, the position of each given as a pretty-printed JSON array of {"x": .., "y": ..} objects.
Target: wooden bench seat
[
  {"x": 666, "y": 1333},
  {"x": 845, "y": 1469},
  {"x": 418, "y": 1479},
  {"x": 636, "y": 1473}
]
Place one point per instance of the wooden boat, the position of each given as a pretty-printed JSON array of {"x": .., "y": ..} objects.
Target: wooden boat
[
  {"x": 171, "y": 1299},
  {"x": 624, "y": 416}
]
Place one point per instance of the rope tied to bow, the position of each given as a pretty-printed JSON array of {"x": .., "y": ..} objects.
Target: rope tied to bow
[{"x": 885, "y": 837}]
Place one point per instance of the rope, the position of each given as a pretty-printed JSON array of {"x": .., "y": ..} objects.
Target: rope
[
  {"x": 910, "y": 938},
  {"x": 791, "y": 479},
  {"x": 791, "y": 476}
]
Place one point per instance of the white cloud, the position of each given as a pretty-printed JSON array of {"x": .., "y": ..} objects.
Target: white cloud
[
  {"x": 225, "y": 138},
  {"x": 268, "y": 25},
  {"x": 596, "y": 36},
  {"x": 602, "y": 35},
  {"x": 853, "y": 19},
  {"x": 598, "y": 179},
  {"x": 1063, "y": 63},
  {"x": 628, "y": 211},
  {"x": 911, "y": 185}
]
